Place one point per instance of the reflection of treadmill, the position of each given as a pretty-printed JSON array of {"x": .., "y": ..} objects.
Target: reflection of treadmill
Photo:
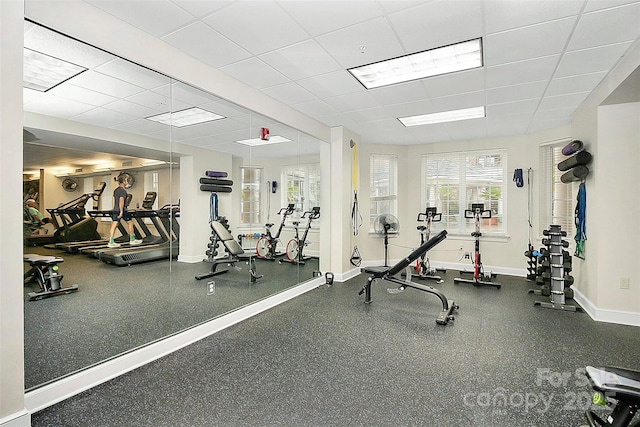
[
  {"x": 140, "y": 228},
  {"x": 168, "y": 215},
  {"x": 70, "y": 221},
  {"x": 76, "y": 247}
]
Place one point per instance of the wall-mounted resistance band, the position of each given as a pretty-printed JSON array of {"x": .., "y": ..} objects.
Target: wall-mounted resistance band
[{"x": 356, "y": 218}]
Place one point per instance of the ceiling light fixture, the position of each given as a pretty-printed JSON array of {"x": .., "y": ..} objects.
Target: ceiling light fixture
[
  {"x": 43, "y": 72},
  {"x": 275, "y": 139},
  {"x": 443, "y": 117},
  {"x": 188, "y": 117},
  {"x": 428, "y": 63}
]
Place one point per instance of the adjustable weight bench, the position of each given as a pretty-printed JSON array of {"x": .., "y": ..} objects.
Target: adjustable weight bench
[
  {"x": 44, "y": 270},
  {"x": 235, "y": 253},
  {"x": 617, "y": 388},
  {"x": 389, "y": 273}
]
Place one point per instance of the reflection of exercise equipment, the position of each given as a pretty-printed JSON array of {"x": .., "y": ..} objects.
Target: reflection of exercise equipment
[
  {"x": 617, "y": 388},
  {"x": 295, "y": 247},
  {"x": 69, "y": 221},
  {"x": 44, "y": 270},
  {"x": 423, "y": 266},
  {"x": 389, "y": 274},
  {"x": 480, "y": 278},
  {"x": 266, "y": 247},
  {"x": 383, "y": 225},
  {"x": 235, "y": 253}
]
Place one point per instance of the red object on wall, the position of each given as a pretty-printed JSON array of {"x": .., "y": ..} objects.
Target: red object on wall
[{"x": 264, "y": 134}]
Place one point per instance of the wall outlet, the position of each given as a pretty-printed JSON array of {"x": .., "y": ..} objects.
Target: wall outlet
[
  {"x": 624, "y": 282},
  {"x": 211, "y": 287}
]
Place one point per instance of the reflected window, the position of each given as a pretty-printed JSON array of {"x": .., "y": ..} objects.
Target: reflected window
[
  {"x": 251, "y": 178},
  {"x": 453, "y": 181},
  {"x": 302, "y": 185},
  {"x": 383, "y": 185}
]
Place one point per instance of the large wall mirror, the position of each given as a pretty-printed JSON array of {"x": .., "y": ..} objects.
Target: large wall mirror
[{"x": 99, "y": 117}]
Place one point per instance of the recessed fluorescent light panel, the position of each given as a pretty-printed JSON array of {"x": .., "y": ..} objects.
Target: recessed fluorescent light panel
[
  {"x": 444, "y": 116},
  {"x": 188, "y": 117},
  {"x": 429, "y": 63},
  {"x": 275, "y": 139},
  {"x": 43, "y": 72}
]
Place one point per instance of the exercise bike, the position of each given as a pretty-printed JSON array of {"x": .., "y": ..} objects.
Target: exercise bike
[
  {"x": 266, "y": 247},
  {"x": 296, "y": 245},
  {"x": 480, "y": 277},
  {"x": 618, "y": 389},
  {"x": 423, "y": 266}
]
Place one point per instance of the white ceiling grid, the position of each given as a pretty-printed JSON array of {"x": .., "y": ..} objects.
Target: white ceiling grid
[{"x": 542, "y": 59}]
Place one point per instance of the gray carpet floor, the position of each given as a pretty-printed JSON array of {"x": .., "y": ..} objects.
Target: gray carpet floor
[{"x": 328, "y": 359}]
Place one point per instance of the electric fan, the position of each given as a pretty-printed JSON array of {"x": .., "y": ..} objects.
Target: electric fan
[
  {"x": 70, "y": 184},
  {"x": 384, "y": 225}
]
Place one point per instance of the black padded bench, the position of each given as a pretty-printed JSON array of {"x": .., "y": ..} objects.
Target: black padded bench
[
  {"x": 389, "y": 274},
  {"x": 44, "y": 270},
  {"x": 620, "y": 385}
]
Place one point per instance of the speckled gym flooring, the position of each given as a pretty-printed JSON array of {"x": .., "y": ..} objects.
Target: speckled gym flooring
[{"x": 327, "y": 359}]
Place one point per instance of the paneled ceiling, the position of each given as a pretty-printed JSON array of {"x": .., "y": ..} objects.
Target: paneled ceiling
[{"x": 542, "y": 58}]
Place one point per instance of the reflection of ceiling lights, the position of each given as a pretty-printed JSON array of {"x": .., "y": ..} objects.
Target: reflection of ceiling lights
[
  {"x": 188, "y": 117},
  {"x": 43, "y": 72},
  {"x": 444, "y": 116},
  {"x": 275, "y": 139},
  {"x": 434, "y": 62}
]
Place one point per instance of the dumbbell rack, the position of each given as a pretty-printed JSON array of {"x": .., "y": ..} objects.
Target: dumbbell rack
[{"x": 557, "y": 277}]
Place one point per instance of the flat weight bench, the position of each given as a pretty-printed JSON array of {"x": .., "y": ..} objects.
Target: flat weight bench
[
  {"x": 389, "y": 273},
  {"x": 620, "y": 385},
  {"x": 44, "y": 270},
  {"x": 235, "y": 253}
]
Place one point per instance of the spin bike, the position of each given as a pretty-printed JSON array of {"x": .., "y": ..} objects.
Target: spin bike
[
  {"x": 266, "y": 247},
  {"x": 480, "y": 278},
  {"x": 296, "y": 245},
  {"x": 423, "y": 266}
]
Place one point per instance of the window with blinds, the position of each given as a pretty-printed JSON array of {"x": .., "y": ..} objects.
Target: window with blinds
[
  {"x": 302, "y": 186},
  {"x": 557, "y": 204},
  {"x": 383, "y": 185},
  {"x": 453, "y": 181},
  {"x": 250, "y": 179}
]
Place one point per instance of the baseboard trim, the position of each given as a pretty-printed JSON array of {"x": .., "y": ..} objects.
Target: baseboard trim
[
  {"x": 71, "y": 385},
  {"x": 605, "y": 315},
  {"x": 18, "y": 419}
]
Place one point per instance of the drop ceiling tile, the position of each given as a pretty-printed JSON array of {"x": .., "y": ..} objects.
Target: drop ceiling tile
[
  {"x": 257, "y": 26},
  {"x": 337, "y": 119},
  {"x": 185, "y": 94},
  {"x": 438, "y": 23},
  {"x": 527, "y": 71},
  {"x": 229, "y": 110},
  {"x": 500, "y": 126},
  {"x": 516, "y": 93},
  {"x": 320, "y": 17},
  {"x": 540, "y": 125},
  {"x": 395, "y": 6},
  {"x": 605, "y": 4},
  {"x": 142, "y": 127},
  {"x": 54, "y": 106},
  {"x": 105, "y": 84},
  {"x": 81, "y": 94},
  {"x": 218, "y": 51},
  {"x": 164, "y": 18},
  {"x": 552, "y": 115},
  {"x": 524, "y": 43},
  {"x": 590, "y": 60},
  {"x": 331, "y": 84},
  {"x": 157, "y": 101},
  {"x": 133, "y": 73},
  {"x": 352, "y": 101},
  {"x": 607, "y": 26},
  {"x": 200, "y": 8},
  {"x": 377, "y": 35},
  {"x": 579, "y": 83},
  {"x": 369, "y": 115},
  {"x": 429, "y": 134},
  {"x": 103, "y": 117},
  {"x": 255, "y": 73},
  {"x": 412, "y": 108},
  {"x": 302, "y": 60},
  {"x": 571, "y": 100},
  {"x": 130, "y": 108},
  {"x": 454, "y": 83},
  {"x": 503, "y": 15},
  {"x": 467, "y": 129},
  {"x": 399, "y": 93},
  {"x": 512, "y": 108},
  {"x": 314, "y": 108},
  {"x": 289, "y": 93},
  {"x": 456, "y": 102}
]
